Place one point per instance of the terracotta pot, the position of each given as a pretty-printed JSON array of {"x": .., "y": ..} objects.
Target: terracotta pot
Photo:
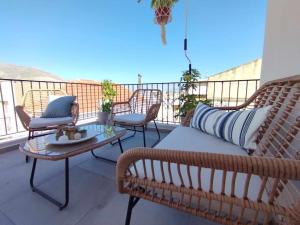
[
  {"x": 162, "y": 15},
  {"x": 103, "y": 117}
]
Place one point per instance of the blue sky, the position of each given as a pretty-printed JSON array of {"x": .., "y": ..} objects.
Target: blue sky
[{"x": 117, "y": 39}]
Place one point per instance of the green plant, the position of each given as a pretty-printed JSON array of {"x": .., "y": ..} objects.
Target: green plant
[
  {"x": 106, "y": 106},
  {"x": 162, "y": 3},
  {"x": 108, "y": 94},
  {"x": 187, "y": 101}
]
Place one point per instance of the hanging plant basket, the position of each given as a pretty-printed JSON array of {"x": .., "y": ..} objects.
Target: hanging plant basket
[
  {"x": 163, "y": 14},
  {"x": 162, "y": 17}
]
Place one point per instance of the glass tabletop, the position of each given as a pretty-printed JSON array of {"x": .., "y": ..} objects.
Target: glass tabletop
[{"x": 40, "y": 148}]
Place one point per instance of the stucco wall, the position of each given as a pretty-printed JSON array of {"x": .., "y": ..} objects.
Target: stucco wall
[
  {"x": 232, "y": 92},
  {"x": 251, "y": 70},
  {"x": 281, "y": 56}
]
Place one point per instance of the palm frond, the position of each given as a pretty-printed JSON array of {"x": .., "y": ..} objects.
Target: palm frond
[{"x": 162, "y": 3}]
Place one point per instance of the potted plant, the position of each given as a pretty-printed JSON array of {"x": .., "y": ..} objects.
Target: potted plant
[
  {"x": 105, "y": 104},
  {"x": 163, "y": 14},
  {"x": 188, "y": 101}
]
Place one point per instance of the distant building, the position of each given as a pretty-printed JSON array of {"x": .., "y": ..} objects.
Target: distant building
[
  {"x": 247, "y": 71},
  {"x": 238, "y": 84},
  {"x": 89, "y": 94}
]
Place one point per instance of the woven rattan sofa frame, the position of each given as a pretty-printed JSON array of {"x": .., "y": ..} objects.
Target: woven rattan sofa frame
[
  {"x": 150, "y": 109},
  {"x": 277, "y": 164},
  {"x": 29, "y": 109}
]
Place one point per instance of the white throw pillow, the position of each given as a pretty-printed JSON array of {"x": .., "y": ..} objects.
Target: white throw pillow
[
  {"x": 51, "y": 98},
  {"x": 237, "y": 127}
]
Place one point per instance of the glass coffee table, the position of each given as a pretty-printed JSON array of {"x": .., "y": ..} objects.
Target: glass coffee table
[{"x": 38, "y": 148}]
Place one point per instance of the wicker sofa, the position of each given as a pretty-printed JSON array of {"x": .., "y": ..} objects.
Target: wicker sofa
[{"x": 208, "y": 177}]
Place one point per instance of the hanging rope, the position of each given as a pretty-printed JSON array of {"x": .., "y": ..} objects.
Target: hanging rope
[
  {"x": 186, "y": 14},
  {"x": 186, "y": 35}
]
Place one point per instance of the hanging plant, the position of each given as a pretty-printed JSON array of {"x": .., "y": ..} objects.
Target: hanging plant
[{"x": 163, "y": 15}]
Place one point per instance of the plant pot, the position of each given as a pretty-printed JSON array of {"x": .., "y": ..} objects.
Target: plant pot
[
  {"x": 182, "y": 118},
  {"x": 103, "y": 117},
  {"x": 162, "y": 15}
]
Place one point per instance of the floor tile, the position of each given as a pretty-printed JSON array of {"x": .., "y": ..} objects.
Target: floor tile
[
  {"x": 94, "y": 199},
  {"x": 4, "y": 220},
  {"x": 86, "y": 191}
]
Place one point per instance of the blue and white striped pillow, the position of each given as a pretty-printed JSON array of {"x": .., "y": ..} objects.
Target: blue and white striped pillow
[{"x": 237, "y": 127}]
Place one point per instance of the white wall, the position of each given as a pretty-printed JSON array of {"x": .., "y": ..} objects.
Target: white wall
[{"x": 281, "y": 56}]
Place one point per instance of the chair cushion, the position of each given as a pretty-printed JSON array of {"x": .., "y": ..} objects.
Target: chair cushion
[
  {"x": 237, "y": 127},
  {"x": 133, "y": 118},
  {"x": 60, "y": 107},
  {"x": 190, "y": 139},
  {"x": 47, "y": 122}
]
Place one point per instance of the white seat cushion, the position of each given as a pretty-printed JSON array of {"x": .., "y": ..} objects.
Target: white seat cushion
[
  {"x": 190, "y": 139},
  {"x": 133, "y": 118},
  {"x": 46, "y": 122}
]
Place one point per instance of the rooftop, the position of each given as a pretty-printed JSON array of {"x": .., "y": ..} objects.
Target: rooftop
[{"x": 229, "y": 164}]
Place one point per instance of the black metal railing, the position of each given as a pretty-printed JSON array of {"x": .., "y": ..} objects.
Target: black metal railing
[{"x": 220, "y": 93}]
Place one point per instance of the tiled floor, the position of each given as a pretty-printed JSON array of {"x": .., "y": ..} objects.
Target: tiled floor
[{"x": 94, "y": 199}]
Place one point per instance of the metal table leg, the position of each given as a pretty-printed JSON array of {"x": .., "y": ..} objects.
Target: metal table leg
[
  {"x": 106, "y": 159},
  {"x": 46, "y": 196},
  {"x": 130, "y": 136}
]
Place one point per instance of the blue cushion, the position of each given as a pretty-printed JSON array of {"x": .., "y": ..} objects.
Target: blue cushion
[{"x": 60, "y": 107}]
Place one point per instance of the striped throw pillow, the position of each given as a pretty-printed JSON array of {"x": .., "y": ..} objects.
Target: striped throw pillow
[{"x": 237, "y": 127}]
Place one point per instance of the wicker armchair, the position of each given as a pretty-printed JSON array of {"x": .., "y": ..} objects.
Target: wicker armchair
[
  {"x": 275, "y": 163},
  {"x": 34, "y": 104},
  {"x": 141, "y": 108}
]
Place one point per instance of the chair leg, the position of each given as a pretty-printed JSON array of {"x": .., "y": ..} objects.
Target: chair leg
[
  {"x": 30, "y": 136},
  {"x": 131, "y": 203},
  {"x": 144, "y": 136},
  {"x": 158, "y": 134},
  {"x": 134, "y": 133},
  {"x": 157, "y": 130}
]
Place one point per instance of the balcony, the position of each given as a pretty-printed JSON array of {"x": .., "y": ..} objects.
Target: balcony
[
  {"x": 221, "y": 93},
  {"x": 209, "y": 175},
  {"x": 94, "y": 198}
]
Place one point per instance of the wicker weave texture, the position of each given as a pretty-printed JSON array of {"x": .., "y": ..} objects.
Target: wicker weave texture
[
  {"x": 35, "y": 102},
  {"x": 276, "y": 162},
  {"x": 142, "y": 101}
]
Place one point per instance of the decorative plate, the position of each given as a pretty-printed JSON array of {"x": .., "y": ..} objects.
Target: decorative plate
[{"x": 51, "y": 139}]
